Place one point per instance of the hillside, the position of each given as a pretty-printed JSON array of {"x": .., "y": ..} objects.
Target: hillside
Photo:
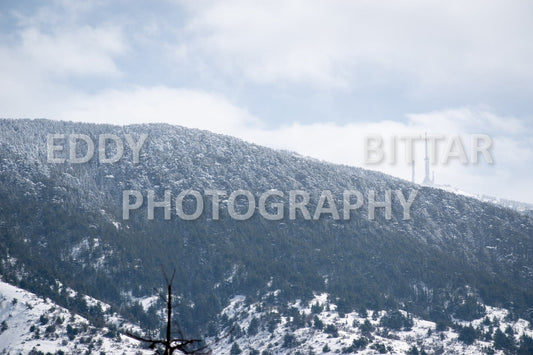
[
  {"x": 30, "y": 323},
  {"x": 64, "y": 221}
]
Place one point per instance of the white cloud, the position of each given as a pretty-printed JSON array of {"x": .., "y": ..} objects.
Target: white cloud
[
  {"x": 51, "y": 44},
  {"x": 85, "y": 50},
  {"x": 38, "y": 61},
  {"x": 184, "y": 107},
  {"x": 442, "y": 45}
]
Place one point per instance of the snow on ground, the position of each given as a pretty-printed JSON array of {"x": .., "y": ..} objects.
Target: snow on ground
[
  {"x": 345, "y": 329},
  {"x": 29, "y": 322}
]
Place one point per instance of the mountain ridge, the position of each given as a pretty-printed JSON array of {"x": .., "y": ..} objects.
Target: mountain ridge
[{"x": 63, "y": 221}]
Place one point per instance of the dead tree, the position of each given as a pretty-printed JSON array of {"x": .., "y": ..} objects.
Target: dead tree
[{"x": 185, "y": 346}]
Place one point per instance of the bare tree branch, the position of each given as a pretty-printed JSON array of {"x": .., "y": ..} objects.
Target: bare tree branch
[{"x": 170, "y": 344}]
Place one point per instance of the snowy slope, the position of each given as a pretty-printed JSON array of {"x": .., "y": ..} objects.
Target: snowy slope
[
  {"x": 339, "y": 331},
  {"x": 38, "y": 324}
]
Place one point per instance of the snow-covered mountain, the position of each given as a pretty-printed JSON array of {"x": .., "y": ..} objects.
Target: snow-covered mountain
[{"x": 457, "y": 259}]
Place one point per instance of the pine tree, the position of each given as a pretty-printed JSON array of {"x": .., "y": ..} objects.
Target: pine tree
[{"x": 235, "y": 349}]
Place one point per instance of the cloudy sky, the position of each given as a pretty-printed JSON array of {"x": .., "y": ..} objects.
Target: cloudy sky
[{"x": 315, "y": 77}]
